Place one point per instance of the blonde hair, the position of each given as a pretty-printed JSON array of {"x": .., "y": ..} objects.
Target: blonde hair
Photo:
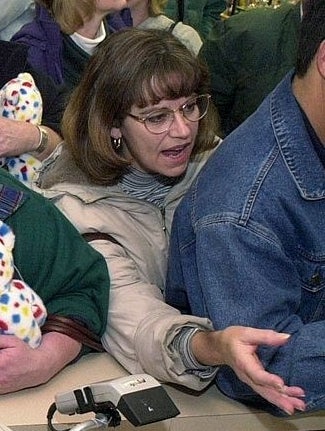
[
  {"x": 157, "y": 7},
  {"x": 69, "y": 14}
]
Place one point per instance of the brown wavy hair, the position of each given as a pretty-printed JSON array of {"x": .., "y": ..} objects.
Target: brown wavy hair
[{"x": 131, "y": 67}]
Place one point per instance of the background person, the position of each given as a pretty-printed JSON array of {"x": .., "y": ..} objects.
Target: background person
[
  {"x": 68, "y": 275},
  {"x": 137, "y": 130},
  {"x": 18, "y": 137},
  {"x": 71, "y": 31},
  {"x": 150, "y": 14},
  {"x": 247, "y": 246},
  {"x": 14, "y": 14},
  {"x": 248, "y": 54},
  {"x": 200, "y": 14}
]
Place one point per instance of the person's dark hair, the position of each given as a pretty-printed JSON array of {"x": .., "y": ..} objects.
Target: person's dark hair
[
  {"x": 312, "y": 33},
  {"x": 131, "y": 67}
]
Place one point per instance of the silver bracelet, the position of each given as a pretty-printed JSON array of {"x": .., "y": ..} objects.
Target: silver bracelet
[{"x": 43, "y": 140}]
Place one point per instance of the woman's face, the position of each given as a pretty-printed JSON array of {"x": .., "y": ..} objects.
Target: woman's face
[
  {"x": 110, "y": 5},
  {"x": 166, "y": 153}
]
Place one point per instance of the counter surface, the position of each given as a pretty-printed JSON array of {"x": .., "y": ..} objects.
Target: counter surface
[{"x": 211, "y": 411}]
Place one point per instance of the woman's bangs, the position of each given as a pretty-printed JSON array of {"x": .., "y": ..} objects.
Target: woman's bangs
[{"x": 168, "y": 83}]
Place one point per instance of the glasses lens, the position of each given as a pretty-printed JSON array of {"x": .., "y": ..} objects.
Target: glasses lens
[
  {"x": 193, "y": 110},
  {"x": 196, "y": 108},
  {"x": 159, "y": 121}
]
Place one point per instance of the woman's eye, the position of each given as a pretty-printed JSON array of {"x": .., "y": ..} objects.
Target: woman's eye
[
  {"x": 158, "y": 118},
  {"x": 190, "y": 107}
]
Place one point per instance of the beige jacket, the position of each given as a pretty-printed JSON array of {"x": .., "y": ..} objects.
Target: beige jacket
[{"x": 140, "y": 325}]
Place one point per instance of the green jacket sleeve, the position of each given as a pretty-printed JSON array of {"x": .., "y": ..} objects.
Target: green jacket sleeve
[
  {"x": 222, "y": 55},
  {"x": 52, "y": 257}
]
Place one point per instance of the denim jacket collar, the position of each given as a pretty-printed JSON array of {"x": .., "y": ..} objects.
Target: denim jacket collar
[{"x": 295, "y": 142}]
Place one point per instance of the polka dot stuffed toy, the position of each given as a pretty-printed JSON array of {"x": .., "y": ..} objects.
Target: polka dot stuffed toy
[
  {"x": 22, "y": 312},
  {"x": 21, "y": 100}
]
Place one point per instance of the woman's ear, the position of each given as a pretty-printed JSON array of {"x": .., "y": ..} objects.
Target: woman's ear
[
  {"x": 116, "y": 133},
  {"x": 116, "y": 138},
  {"x": 321, "y": 59}
]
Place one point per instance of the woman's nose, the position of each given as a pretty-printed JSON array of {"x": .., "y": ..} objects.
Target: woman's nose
[{"x": 180, "y": 126}]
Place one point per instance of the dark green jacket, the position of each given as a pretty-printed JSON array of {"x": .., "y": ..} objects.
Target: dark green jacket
[
  {"x": 248, "y": 54},
  {"x": 200, "y": 14},
  {"x": 51, "y": 256}
]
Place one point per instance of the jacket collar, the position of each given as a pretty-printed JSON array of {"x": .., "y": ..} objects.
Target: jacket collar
[
  {"x": 60, "y": 174},
  {"x": 295, "y": 142}
]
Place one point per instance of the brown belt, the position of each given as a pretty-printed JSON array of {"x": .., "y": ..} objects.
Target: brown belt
[{"x": 72, "y": 329}]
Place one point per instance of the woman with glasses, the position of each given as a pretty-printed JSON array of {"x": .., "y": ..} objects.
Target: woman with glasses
[{"x": 137, "y": 130}]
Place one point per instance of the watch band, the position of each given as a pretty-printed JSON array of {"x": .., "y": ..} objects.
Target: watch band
[{"x": 43, "y": 140}]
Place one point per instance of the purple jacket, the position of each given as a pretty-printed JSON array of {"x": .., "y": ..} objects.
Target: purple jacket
[{"x": 44, "y": 38}]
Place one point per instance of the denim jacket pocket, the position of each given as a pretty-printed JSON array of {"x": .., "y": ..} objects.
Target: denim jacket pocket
[{"x": 312, "y": 277}]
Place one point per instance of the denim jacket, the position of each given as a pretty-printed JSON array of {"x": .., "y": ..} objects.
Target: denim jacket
[{"x": 248, "y": 245}]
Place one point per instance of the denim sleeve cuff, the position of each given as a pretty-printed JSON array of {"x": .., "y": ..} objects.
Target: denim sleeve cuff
[{"x": 182, "y": 344}]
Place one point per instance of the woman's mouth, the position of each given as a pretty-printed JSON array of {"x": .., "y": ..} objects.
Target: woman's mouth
[{"x": 177, "y": 152}]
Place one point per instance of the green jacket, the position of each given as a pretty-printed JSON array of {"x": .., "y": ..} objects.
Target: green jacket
[
  {"x": 248, "y": 54},
  {"x": 52, "y": 257},
  {"x": 200, "y": 14}
]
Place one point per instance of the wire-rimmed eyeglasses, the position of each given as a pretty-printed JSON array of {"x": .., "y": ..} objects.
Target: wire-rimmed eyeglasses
[{"x": 160, "y": 120}]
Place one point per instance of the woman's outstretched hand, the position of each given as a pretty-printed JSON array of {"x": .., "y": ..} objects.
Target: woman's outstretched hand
[{"x": 236, "y": 346}]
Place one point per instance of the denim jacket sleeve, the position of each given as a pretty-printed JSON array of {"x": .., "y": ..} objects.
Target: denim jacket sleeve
[{"x": 240, "y": 275}]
